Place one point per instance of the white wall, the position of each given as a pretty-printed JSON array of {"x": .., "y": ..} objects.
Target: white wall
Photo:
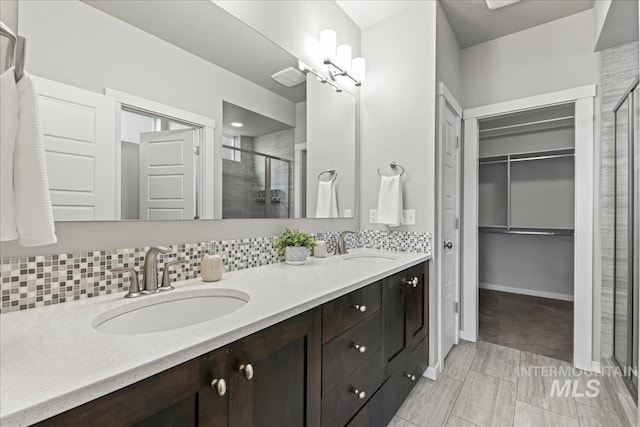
[
  {"x": 547, "y": 58},
  {"x": 180, "y": 78},
  {"x": 615, "y": 23},
  {"x": 331, "y": 143},
  {"x": 397, "y": 117}
]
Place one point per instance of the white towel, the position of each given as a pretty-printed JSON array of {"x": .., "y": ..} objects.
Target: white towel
[
  {"x": 31, "y": 208},
  {"x": 390, "y": 201},
  {"x": 327, "y": 206},
  {"x": 8, "y": 132}
]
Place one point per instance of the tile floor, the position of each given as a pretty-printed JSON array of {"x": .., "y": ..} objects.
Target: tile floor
[{"x": 487, "y": 385}]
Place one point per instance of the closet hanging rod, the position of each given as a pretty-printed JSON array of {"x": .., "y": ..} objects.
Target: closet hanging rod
[
  {"x": 537, "y": 122},
  {"x": 551, "y": 156},
  {"x": 531, "y": 232}
]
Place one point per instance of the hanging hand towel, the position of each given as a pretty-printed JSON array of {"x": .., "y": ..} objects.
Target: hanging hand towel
[
  {"x": 327, "y": 206},
  {"x": 34, "y": 213},
  {"x": 9, "y": 123},
  {"x": 390, "y": 201}
]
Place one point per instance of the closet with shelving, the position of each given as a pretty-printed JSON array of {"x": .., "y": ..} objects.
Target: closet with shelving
[{"x": 526, "y": 204}]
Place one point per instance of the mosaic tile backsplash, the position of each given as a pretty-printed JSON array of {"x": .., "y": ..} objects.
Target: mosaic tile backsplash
[{"x": 44, "y": 280}]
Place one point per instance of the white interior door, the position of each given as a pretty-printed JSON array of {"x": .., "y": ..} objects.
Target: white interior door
[
  {"x": 79, "y": 128},
  {"x": 167, "y": 174},
  {"x": 450, "y": 124}
]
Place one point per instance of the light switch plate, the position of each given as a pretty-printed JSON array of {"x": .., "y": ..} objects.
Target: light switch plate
[
  {"x": 409, "y": 217},
  {"x": 373, "y": 216}
]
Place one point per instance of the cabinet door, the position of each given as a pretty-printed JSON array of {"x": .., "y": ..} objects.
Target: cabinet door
[
  {"x": 418, "y": 304},
  {"x": 166, "y": 399},
  {"x": 395, "y": 339},
  {"x": 213, "y": 398},
  {"x": 275, "y": 374}
]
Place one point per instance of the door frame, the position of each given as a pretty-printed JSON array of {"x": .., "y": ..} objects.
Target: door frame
[
  {"x": 207, "y": 126},
  {"x": 445, "y": 98},
  {"x": 583, "y": 98}
]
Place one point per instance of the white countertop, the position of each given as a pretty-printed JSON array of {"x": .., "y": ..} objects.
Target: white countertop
[{"x": 52, "y": 360}]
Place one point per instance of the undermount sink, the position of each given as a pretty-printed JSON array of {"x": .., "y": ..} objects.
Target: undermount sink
[
  {"x": 369, "y": 256},
  {"x": 167, "y": 311}
]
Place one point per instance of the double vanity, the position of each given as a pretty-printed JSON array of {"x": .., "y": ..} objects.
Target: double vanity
[{"x": 341, "y": 340}]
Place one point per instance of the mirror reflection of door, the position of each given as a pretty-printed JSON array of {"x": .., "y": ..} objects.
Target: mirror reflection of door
[{"x": 160, "y": 167}]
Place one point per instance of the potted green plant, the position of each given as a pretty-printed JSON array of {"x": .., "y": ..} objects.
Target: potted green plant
[{"x": 296, "y": 246}]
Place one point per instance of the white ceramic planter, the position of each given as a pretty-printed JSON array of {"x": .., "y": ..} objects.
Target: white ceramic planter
[{"x": 294, "y": 255}]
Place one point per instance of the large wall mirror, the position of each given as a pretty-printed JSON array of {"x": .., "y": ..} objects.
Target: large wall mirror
[{"x": 165, "y": 110}]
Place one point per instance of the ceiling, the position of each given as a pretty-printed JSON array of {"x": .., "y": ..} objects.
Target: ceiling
[
  {"x": 205, "y": 29},
  {"x": 368, "y": 12},
  {"x": 473, "y": 23},
  {"x": 254, "y": 124}
]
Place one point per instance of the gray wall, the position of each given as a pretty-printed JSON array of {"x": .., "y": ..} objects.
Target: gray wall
[
  {"x": 331, "y": 143},
  {"x": 448, "y": 56},
  {"x": 400, "y": 53},
  {"x": 550, "y": 57},
  {"x": 619, "y": 68},
  {"x": 203, "y": 78}
]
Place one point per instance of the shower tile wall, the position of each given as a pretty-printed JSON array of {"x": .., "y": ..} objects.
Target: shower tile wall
[
  {"x": 279, "y": 144},
  {"x": 619, "y": 68},
  {"x": 239, "y": 183}
]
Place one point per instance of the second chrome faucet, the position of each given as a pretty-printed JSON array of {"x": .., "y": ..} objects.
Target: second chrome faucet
[{"x": 150, "y": 274}]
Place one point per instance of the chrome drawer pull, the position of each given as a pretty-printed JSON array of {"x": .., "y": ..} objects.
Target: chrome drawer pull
[
  {"x": 360, "y": 308},
  {"x": 413, "y": 282},
  {"x": 360, "y": 393},
  {"x": 247, "y": 370},
  {"x": 220, "y": 385},
  {"x": 360, "y": 348}
]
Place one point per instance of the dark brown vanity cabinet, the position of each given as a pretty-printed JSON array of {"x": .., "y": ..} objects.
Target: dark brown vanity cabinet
[{"x": 350, "y": 362}]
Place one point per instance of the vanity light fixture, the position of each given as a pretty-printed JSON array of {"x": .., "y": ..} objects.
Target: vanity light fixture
[
  {"x": 307, "y": 69},
  {"x": 339, "y": 60},
  {"x": 236, "y": 124}
]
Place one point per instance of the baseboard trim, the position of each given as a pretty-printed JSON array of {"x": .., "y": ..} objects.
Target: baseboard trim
[
  {"x": 432, "y": 372},
  {"x": 530, "y": 292},
  {"x": 466, "y": 337}
]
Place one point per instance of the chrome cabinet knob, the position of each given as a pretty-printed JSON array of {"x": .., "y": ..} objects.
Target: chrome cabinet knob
[
  {"x": 413, "y": 282},
  {"x": 410, "y": 376},
  {"x": 360, "y": 348},
  {"x": 247, "y": 370},
  {"x": 220, "y": 385},
  {"x": 360, "y": 393},
  {"x": 360, "y": 308}
]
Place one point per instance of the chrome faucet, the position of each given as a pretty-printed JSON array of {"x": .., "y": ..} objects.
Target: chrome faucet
[
  {"x": 151, "y": 267},
  {"x": 341, "y": 247},
  {"x": 150, "y": 276}
]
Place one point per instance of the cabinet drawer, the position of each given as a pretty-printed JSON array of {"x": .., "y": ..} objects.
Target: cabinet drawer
[
  {"x": 396, "y": 389},
  {"x": 339, "y": 405},
  {"x": 341, "y": 314},
  {"x": 340, "y": 355},
  {"x": 371, "y": 414}
]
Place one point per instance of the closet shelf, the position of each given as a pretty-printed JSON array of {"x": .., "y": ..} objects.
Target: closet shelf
[
  {"x": 530, "y": 155},
  {"x": 535, "y": 126}
]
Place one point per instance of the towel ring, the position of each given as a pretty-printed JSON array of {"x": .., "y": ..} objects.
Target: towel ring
[
  {"x": 330, "y": 171},
  {"x": 393, "y": 165}
]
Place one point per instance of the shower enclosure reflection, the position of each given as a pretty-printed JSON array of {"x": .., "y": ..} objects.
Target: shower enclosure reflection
[{"x": 258, "y": 155}]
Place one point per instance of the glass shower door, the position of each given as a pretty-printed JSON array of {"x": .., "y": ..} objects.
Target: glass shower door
[{"x": 625, "y": 313}]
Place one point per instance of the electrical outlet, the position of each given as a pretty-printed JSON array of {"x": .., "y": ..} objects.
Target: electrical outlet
[
  {"x": 409, "y": 217},
  {"x": 347, "y": 213},
  {"x": 373, "y": 216}
]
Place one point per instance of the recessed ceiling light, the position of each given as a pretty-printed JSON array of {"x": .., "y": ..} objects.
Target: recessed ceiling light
[
  {"x": 236, "y": 124},
  {"x": 497, "y": 4}
]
